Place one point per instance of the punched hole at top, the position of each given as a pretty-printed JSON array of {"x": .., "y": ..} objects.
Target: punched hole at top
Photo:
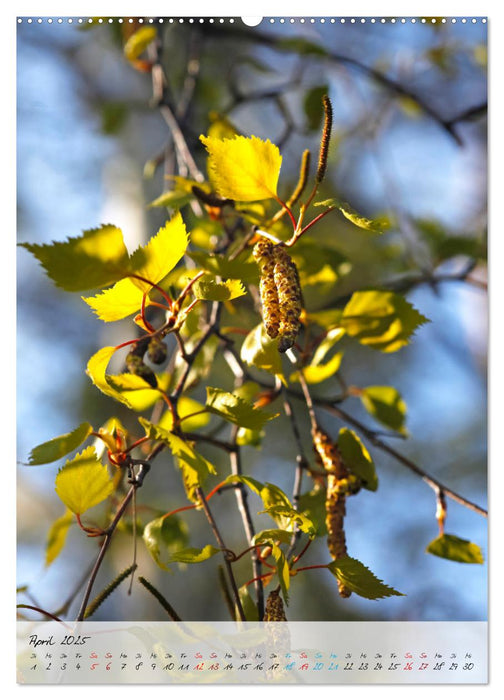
[{"x": 252, "y": 21}]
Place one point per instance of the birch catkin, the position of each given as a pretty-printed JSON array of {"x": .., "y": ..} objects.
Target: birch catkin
[
  {"x": 337, "y": 489},
  {"x": 274, "y": 611},
  {"x": 280, "y": 290},
  {"x": 264, "y": 255},
  {"x": 289, "y": 298}
]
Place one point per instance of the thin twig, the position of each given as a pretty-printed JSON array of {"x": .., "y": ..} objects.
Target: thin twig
[{"x": 220, "y": 542}]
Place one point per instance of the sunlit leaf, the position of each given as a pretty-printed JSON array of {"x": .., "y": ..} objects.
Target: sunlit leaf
[
  {"x": 284, "y": 536},
  {"x": 246, "y": 169},
  {"x": 117, "y": 302},
  {"x": 97, "y": 368},
  {"x": 83, "y": 482},
  {"x": 195, "y": 468},
  {"x": 238, "y": 269},
  {"x": 328, "y": 319},
  {"x": 258, "y": 350},
  {"x": 192, "y": 555},
  {"x": 60, "y": 446},
  {"x": 98, "y": 258},
  {"x": 236, "y": 410},
  {"x": 386, "y": 405},
  {"x": 163, "y": 536},
  {"x": 253, "y": 438},
  {"x": 283, "y": 571},
  {"x": 162, "y": 252},
  {"x": 383, "y": 320},
  {"x": 357, "y": 459},
  {"x": 208, "y": 288},
  {"x": 56, "y": 537},
  {"x": 138, "y": 42},
  {"x": 378, "y": 225},
  {"x": 315, "y": 374},
  {"x": 286, "y": 516},
  {"x": 358, "y": 578},
  {"x": 187, "y": 407},
  {"x": 313, "y": 506},
  {"x": 456, "y": 549},
  {"x": 139, "y": 393}
]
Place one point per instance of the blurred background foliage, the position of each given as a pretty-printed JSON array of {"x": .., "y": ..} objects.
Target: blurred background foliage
[{"x": 409, "y": 142}]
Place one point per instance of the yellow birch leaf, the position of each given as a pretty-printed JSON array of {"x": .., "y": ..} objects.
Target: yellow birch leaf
[
  {"x": 160, "y": 255},
  {"x": 117, "y": 302},
  {"x": 96, "y": 369},
  {"x": 56, "y": 536},
  {"x": 243, "y": 168},
  {"x": 83, "y": 482}
]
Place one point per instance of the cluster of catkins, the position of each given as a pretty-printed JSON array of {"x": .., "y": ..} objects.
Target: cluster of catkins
[
  {"x": 156, "y": 352},
  {"x": 280, "y": 290},
  {"x": 340, "y": 484}
]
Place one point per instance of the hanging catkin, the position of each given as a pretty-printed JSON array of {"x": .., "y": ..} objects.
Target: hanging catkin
[
  {"x": 264, "y": 255},
  {"x": 280, "y": 290},
  {"x": 337, "y": 488},
  {"x": 274, "y": 611},
  {"x": 289, "y": 298}
]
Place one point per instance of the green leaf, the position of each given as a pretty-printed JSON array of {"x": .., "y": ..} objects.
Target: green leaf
[
  {"x": 332, "y": 337},
  {"x": 192, "y": 555},
  {"x": 236, "y": 410},
  {"x": 313, "y": 505},
  {"x": 383, "y": 320},
  {"x": 359, "y": 579},
  {"x": 272, "y": 536},
  {"x": 317, "y": 263},
  {"x": 209, "y": 289},
  {"x": 283, "y": 571},
  {"x": 313, "y": 107},
  {"x": 258, "y": 350},
  {"x": 97, "y": 368},
  {"x": 95, "y": 259},
  {"x": 56, "y": 537},
  {"x": 378, "y": 225},
  {"x": 374, "y": 225},
  {"x": 239, "y": 269},
  {"x": 162, "y": 252},
  {"x": 253, "y": 438},
  {"x": 139, "y": 393},
  {"x": 152, "y": 263},
  {"x": 276, "y": 504},
  {"x": 248, "y": 605},
  {"x": 456, "y": 549},
  {"x": 357, "y": 459},
  {"x": 59, "y": 446},
  {"x": 175, "y": 199},
  {"x": 315, "y": 374},
  {"x": 195, "y": 468},
  {"x": 165, "y": 535},
  {"x": 286, "y": 515},
  {"x": 83, "y": 482},
  {"x": 186, "y": 407},
  {"x": 386, "y": 405},
  {"x": 138, "y": 42},
  {"x": 328, "y": 319},
  {"x": 241, "y": 168}
]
